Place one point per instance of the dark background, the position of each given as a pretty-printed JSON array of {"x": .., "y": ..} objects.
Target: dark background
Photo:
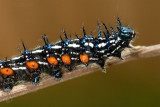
[{"x": 132, "y": 84}]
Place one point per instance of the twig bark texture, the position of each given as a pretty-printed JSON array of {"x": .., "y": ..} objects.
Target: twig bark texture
[{"x": 128, "y": 54}]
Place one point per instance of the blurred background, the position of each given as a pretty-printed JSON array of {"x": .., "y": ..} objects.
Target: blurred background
[{"x": 132, "y": 84}]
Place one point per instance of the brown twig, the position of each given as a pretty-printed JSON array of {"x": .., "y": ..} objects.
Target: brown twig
[{"x": 128, "y": 54}]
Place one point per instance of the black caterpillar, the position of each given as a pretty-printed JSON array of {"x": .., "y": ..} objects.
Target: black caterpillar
[{"x": 67, "y": 53}]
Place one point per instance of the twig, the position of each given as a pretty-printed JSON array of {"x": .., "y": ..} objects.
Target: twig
[{"x": 128, "y": 54}]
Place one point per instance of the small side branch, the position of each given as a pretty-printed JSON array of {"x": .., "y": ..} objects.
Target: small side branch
[{"x": 128, "y": 54}]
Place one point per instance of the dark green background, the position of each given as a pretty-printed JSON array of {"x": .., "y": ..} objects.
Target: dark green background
[{"x": 132, "y": 84}]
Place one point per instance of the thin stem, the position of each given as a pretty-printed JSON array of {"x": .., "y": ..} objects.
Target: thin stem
[{"x": 128, "y": 54}]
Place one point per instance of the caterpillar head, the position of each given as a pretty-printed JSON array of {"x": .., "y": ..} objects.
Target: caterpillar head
[{"x": 124, "y": 32}]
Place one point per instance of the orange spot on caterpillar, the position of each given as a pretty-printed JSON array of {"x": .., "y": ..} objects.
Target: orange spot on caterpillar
[
  {"x": 52, "y": 60},
  {"x": 66, "y": 59},
  {"x": 32, "y": 65},
  {"x": 84, "y": 58},
  {"x": 6, "y": 71}
]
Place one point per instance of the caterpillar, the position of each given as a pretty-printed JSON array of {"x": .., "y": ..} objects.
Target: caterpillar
[{"x": 68, "y": 53}]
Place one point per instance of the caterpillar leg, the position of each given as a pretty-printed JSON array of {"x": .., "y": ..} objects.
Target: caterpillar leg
[
  {"x": 8, "y": 87},
  {"x": 120, "y": 56},
  {"x": 35, "y": 77},
  {"x": 56, "y": 72},
  {"x": 8, "y": 84},
  {"x": 58, "y": 76},
  {"x": 101, "y": 63}
]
